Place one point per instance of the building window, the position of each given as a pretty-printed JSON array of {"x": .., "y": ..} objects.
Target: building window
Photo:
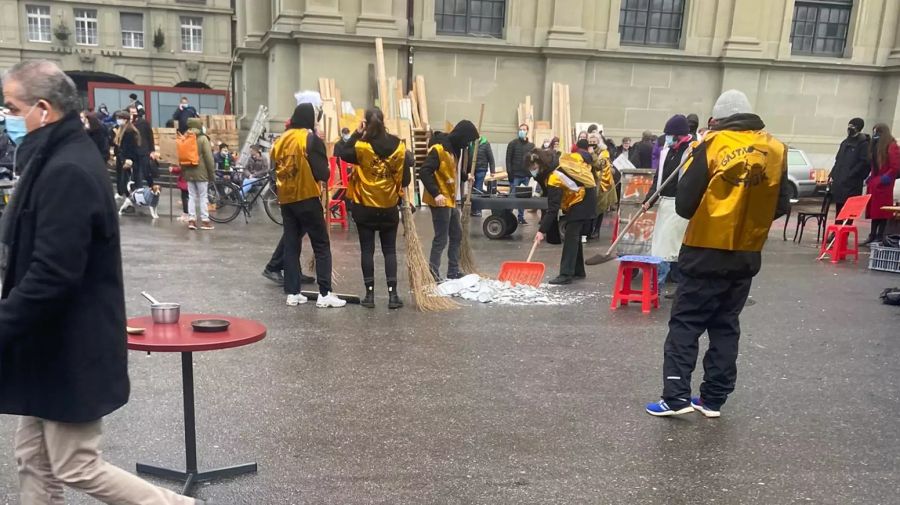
[
  {"x": 86, "y": 27},
  {"x": 132, "y": 30},
  {"x": 470, "y": 17},
  {"x": 191, "y": 34},
  {"x": 651, "y": 22},
  {"x": 820, "y": 27},
  {"x": 38, "y": 23}
]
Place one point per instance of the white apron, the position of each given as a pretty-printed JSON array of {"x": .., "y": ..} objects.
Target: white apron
[{"x": 668, "y": 233}]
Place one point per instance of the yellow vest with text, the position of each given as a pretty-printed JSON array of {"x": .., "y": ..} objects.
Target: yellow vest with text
[
  {"x": 572, "y": 176},
  {"x": 737, "y": 210},
  {"x": 376, "y": 181},
  {"x": 444, "y": 176},
  {"x": 293, "y": 174}
]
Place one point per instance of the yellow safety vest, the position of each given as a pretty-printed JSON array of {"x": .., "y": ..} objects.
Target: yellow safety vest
[
  {"x": 572, "y": 176},
  {"x": 606, "y": 181},
  {"x": 376, "y": 181},
  {"x": 444, "y": 176},
  {"x": 737, "y": 210},
  {"x": 293, "y": 174}
]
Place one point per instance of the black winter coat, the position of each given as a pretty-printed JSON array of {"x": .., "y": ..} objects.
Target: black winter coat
[
  {"x": 63, "y": 350},
  {"x": 515, "y": 158},
  {"x": 851, "y": 168},
  {"x": 485, "y": 161}
]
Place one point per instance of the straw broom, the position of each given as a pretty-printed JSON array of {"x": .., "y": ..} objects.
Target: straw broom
[
  {"x": 421, "y": 283},
  {"x": 466, "y": 256}
]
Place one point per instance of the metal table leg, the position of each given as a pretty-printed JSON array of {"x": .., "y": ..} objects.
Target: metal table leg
[{"x": 191, "y": 475}]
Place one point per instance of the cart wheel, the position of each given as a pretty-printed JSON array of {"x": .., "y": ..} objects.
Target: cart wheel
[
  {"x": 494, "y": 227},
  {"x": 512, "y": 222}
]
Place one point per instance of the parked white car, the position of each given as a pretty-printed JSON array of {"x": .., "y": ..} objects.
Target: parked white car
[{"x": 801, "y": 174}]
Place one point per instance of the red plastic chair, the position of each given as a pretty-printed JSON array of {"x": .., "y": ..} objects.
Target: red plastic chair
[
  {"x": 838, "y": 246},
  {"x": 648, "y": 295},
  {"x": 337, "y": 188}
]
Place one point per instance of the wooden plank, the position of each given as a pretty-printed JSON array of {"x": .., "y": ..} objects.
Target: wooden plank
[
  {"x": 423, "y": 102},
  {"x": 529, "y": 113},
  {"x": 414, "y": 105},
  {"x": 390, "y": 110},
  {"x": 380, "y": 75}
]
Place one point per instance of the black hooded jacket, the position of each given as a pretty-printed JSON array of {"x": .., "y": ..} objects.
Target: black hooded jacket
[
  {"x": 851, "y": 167},
  {"x": 584, "y": 210},
  {"x": 701, "y": 262}
]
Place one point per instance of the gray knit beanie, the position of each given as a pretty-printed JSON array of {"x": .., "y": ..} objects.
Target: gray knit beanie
[{"x": 730, "y": 103}]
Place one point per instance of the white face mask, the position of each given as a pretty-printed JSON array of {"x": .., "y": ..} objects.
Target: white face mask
[{"x": 121, "y": 122}]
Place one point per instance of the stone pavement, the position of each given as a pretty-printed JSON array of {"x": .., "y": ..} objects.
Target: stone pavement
[{"x": 506, "y": 405}]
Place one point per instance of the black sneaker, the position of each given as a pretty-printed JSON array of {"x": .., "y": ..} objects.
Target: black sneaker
[
  {"x": 455, "y": 275},
  {"x": 394, "y": 301},
  {"x": 275, "y": 277},
  {"x": 561, "y": 280},
  {"x": 369, "y": 300},
  {"x": 522, "y": 220},
  {"x": 305, "y": 279}
]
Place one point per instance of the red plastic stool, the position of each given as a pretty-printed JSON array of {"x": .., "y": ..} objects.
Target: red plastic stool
[
  {"x": 648, "y": 295},
  {"x": 838, "y": 249}
]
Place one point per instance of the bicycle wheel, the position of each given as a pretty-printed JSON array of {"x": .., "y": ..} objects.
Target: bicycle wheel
[
  {"x": 225, "y": 202},
  {"x": 273, "y": 210}
]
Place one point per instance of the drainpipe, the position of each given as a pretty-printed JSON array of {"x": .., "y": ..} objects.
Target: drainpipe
[{"x": 410, "y": 32}]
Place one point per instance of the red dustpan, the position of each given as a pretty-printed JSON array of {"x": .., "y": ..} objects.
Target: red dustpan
[{"x": 523, "y": 272}]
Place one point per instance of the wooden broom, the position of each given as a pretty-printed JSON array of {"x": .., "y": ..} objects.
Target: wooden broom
[
  {"x": 466, "y": 256},
  {"x": 421, "y": 282}
]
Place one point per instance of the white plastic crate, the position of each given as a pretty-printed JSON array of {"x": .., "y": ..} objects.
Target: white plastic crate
[{"x": 885, "y": 259}]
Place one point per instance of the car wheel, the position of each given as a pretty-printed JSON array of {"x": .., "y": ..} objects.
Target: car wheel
[{"x": 795, "y": 193}]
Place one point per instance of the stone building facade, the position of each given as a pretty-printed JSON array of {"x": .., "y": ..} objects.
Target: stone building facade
[
  {"x": 144, "y": 42},
  {"x": 807, "y": 66}
]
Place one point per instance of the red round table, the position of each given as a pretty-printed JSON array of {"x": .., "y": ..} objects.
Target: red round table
[{"x": 181, "y": 337}]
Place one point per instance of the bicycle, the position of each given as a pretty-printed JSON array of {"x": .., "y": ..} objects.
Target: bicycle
[{"x": 227, "y": 200}]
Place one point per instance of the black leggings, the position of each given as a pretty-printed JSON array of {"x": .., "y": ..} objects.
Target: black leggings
[
  {"x": 184, "y": 201},
  {"x": 388, "y": 235},
  {"x": 878, "y": 228}
]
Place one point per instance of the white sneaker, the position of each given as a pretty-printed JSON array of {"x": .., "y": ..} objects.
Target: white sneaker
[
  {"x": 294, "y": 300},
  {"x": 330, "y": 301}
]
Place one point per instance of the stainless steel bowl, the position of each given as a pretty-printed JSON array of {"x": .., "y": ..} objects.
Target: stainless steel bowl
[{"x": 165, "y": 313}]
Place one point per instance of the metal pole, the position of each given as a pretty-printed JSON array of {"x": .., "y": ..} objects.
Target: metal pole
[{"x": 190, "y": 428}]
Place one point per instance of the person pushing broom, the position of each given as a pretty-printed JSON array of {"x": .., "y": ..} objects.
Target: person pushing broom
[{"x": 733, "y": 188}]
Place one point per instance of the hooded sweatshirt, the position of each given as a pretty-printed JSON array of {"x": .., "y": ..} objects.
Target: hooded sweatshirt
[
  {"x": 453, "y": 142},
  {"x": 205, "y": 170}
]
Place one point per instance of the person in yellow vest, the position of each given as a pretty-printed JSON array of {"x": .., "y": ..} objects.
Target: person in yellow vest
[
  {"x": 568, "y": 182},
  {"x": 440, "y": 175},
  {"x": 382, "y": 173},
  {"x": 734, "y": 186},
  {"x": 301, "y": 163},
  {"x": 607, "y": 196}
]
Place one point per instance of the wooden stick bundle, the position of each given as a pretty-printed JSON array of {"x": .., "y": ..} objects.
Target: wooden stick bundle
[{"x": 421, "y": 282}]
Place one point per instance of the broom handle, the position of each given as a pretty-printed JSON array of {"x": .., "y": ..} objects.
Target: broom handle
[
  {"x": 634, "y": 217},
  {"x": 475, "y": 156},
  {"x": 830, "y": 242},
  {"x": 533, "y": 248}
]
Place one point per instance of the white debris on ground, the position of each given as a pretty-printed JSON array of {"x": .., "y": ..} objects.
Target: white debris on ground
[{"x": 479, "y": 289}]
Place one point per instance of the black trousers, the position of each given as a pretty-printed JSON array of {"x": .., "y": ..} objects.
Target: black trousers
[
  {"x": 572, "y": 262},
  {"x": 305, "y": 218},
  {"x": 703, "y": 305},
  {"x": 185, "y": 196},
  {"x": 388, "y": 235},
  {"x": 447, "y": 231}
]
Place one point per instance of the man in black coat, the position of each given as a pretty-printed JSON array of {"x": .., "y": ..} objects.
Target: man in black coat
[
  {"x": 63, "y": 356},
  {"x": 641, "y": 155},
  {"x": 184, "y": 112},
  {"x": 145, "y": 149},
  {"x": 516, "y": 151},
  {"x": 851, "y": 165}
]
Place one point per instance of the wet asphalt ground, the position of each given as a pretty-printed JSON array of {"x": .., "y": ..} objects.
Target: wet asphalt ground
[{"x": 500, "y": 404}]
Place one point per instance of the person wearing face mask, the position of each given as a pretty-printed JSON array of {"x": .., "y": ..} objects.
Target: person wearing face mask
[
  {"x": 224, "y": 158},
  {"x": 184, "y": 112},
  {"x": 693, "y": 126},
  {"x": 257, "y": 168},
  {"x": 884, "y": 156},
  {"x": 440, "y": 175},
  {"x": 63, "y": 354},
  {"x": 147, "y": 149},
  {"x": 516, "y": 151},
  {"x": 851, "y": 165},
  {"x": 7, "y": 149},
  {"x": 342, "y": 142},
  {"x": 669, "y": 228},
  {"x": 569, "y": 183},
  {"x": 582, "y": 135}
]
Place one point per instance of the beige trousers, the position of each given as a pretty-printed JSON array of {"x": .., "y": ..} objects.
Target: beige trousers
[{"x": 50, "y": 454}]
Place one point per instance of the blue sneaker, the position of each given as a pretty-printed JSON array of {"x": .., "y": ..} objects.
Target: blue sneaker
[
  {"x": 662, "y": 409},
  {"x": 697, "y": 403}
]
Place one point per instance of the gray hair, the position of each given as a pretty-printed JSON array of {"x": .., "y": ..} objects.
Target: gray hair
[{"x": 44, "y": 80}]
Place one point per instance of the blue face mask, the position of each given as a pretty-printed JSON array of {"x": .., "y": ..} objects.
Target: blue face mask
[
  {"x": 522, "y": 134},
  {"x": 15, "y": 127},
  {"x": 670, "y": 139}
]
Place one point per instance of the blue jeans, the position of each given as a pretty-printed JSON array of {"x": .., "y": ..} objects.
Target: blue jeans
[
  {"x": 514, "y": 183},
  {"x": 248, "y": 185},
  {"x": 480, "y": 174}
]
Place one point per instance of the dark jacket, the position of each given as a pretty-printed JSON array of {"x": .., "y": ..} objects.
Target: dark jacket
[
  {"x": 148, "y": 142},
  {"x": 129, "y": 146},
  {"x": 181, "y": 117},
  {"x": 100, "y": 138},
  {"x": 62, "y": 314},
  {"x": 584, "y": 210},
  {"x": 515, "y": 157},
  {"x": 851, "y": 167},
  {"x": 7, "y": 151},
  {"x": 485, "y": 161},
  {"x": 703, "y": 262},
  {"x": 641, "y": 154},
  {"x": 454, "y": 142}
]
